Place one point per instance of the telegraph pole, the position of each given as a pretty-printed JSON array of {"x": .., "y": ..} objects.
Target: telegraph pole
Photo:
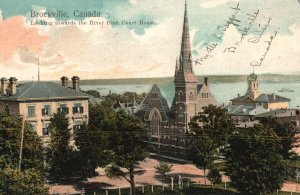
[{"x": 21, "y": 145}]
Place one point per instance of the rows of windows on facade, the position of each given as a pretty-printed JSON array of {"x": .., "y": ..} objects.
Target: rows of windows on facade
[{"x": 37, "y": 101}]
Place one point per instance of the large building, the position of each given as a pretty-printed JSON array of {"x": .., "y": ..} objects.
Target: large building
[
  {"x": 189, "y": 97},
  {"x": 37, "y": 101},
  {"x": 247, "y": 108},
  {"x": 253, "y": 97},
  {"x": 169, "y": 124}
]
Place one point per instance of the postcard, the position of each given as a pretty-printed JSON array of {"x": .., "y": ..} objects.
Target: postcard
[{"x": 161, "y": 61}]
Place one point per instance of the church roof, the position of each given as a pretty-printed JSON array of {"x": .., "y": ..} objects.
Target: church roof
[
  {"x": 148, "y": 100},
  {"x": 44, "y": 91}
]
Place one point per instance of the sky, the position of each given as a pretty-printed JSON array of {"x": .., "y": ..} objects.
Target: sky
[{"x": 228, "y": 37}]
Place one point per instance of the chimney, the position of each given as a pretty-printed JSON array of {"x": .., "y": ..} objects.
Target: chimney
[
  {"x": 12, "y": 85},
  {"x": 206, "y": 81},
  {"x": 75, "y": 82},
  {"x": 274, "y": 96},
  {"x": 239, "y": 95},
  {"x": 64, "y": 81},
  {"x": 3, "y": 86}
]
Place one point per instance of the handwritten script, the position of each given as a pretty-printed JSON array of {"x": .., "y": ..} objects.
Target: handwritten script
[
  {"x": 269, "y": 43},
  {"x": 249, "y": 34},
  {"x": 232, "y": 20}
]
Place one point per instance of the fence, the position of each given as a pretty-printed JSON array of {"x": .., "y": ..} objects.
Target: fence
[{"x": 185, "y": 188}]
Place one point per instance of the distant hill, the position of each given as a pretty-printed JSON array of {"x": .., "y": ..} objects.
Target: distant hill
[{"x": 212, "y": 79}]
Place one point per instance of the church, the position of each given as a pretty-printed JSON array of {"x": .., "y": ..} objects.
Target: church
[{"x": 168, "y": 125}]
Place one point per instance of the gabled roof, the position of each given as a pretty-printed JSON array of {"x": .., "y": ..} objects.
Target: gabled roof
[
  {"x": 271, "y": 98},
  {"x": 199, "y": 87},
  {"x": 148, "y": 101},
  {"x": 44, "y": 91}
]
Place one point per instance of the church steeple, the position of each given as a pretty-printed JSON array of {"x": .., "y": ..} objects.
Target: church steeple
[
  {"x": 177, "y": 67},
  {"x": 185, "y": 53}
]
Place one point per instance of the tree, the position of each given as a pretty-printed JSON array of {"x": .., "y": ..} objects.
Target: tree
[
  {"x": 215, "y": 122},
  {"x": 201, "y": 152},
  {"x": 61, "y": 151},
  {"x": 255, "y": 164},
  {"x": 286, "y": 131},
  {"x": 128, "y": 145},
  {"x": 163, "y": 169},
  {"x": 94, "y": 93},
  {"x": 208, "y": 131},
  {"x": 21, "y": 182},
  {"x": 214, "y": 176},
  {"x": 32, "y": 174}
]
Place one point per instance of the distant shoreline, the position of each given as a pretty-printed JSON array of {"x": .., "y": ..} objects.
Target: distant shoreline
[{"x": 264, "y": 78}]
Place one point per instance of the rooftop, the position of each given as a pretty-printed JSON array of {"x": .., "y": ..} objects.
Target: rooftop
[
  {"x": 271, "y": 98},
  {"x": 44, "y": 91}
]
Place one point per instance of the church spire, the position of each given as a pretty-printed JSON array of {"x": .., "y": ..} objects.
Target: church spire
[
  {"x": 177, "y": 67},
  {"x": 185, "y": 53}
]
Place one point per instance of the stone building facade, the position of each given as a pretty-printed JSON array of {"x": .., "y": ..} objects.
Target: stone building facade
[{"x": 37, "y": 101}]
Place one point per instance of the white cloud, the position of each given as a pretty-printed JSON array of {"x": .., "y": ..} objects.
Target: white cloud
[
  {"x": 133, "y": 1},
  {"x": 214, "y": 3}
]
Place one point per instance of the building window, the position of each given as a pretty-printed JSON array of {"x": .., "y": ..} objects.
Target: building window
[
  {"x": 33, "y": 126},
  {"x": 180, "y": 96},
  {"x": 77, "y": 127},
  {"x": 154, "y": 95},
  {"x": 155, "y": 119},
  {"x": 191, "y": 96},
  {"x": 31, "y": 111},
  {"x": 63, "y": 109},
  {"x": 46, "y": 129},
  {"x": 78, "y": 124},
  {"x": 46, "y": 111},
  {"x": 78, "y": 108},
  {"x": 204, "y": 95}
]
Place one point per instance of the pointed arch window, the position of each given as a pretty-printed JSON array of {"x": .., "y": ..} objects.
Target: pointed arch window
[
  {"x": 180, "y": 96},
  {"x": 192, "y": 97},
  {"x": 155, "y": 119}
]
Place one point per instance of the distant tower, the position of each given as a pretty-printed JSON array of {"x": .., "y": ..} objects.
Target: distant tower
[
  {"x": 253, "y": 88},
  {"x": 184, "y": 103}
]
